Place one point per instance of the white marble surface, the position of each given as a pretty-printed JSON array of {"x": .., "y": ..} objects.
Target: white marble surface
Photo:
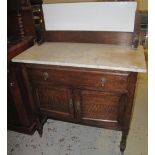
[
  {"x": 99, "y": 56},
  {"x": 90, "y": 16}
]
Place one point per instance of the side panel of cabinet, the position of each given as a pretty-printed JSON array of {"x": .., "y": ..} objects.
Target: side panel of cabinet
[
  {"x": 54, "y": 101},
  {"x": 104, "y": 109},
  {"x": 20, "y": 117},
  {"x": 12, "y": 114}
]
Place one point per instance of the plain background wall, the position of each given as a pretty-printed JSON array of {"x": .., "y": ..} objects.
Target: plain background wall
[{"x": 142, "y": 5}]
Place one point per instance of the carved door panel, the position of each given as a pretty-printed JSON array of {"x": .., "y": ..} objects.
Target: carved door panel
[
  {"x": 54, "y": 101},
  {"x": 100, "y": 108}
]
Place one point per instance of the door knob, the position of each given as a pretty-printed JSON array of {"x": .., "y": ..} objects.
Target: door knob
[{"x": 78, "y": 105}]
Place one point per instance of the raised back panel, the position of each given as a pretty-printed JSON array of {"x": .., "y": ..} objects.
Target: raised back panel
[
  {"x": 77, "y": 1},
  {"x": 101, "y": 22},
  {"x": 101, "y": 16}
]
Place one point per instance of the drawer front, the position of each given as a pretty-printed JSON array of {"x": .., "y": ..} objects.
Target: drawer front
[{"x": 112, "y": 81}]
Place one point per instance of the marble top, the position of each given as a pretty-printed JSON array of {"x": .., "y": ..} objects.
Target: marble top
[{"x": 99, "y": 56}]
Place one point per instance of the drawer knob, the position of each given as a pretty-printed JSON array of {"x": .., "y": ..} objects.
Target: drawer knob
[
  {"x": 71, "y": 102},
  {"x": 11, "y": 84},
  {"x": 103, "y": 81},
  {"x": 78, "y": 105},
  {"x": 45, "y": 75}
]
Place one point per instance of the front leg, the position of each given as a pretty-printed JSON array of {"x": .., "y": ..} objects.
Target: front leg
[
  {"x": 123, "y": 141},
  {"x": 40, "y": 123},
  {"x": 39, "y": 127}
]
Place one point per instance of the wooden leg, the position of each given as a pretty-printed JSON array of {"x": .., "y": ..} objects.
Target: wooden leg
[
  {"x": 40, "y": 131},
  {"x": 39, "y": 128},
  {"x": 40, "y": 122},
  {"x": 123, "y": 141}
]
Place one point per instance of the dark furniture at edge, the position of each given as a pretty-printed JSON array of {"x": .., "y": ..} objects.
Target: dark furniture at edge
[{"x": 20, "y": 36}]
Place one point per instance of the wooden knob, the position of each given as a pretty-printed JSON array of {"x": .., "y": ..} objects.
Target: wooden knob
[
  {"x": 11, "y": 84},
  {"x": 71, "y": 102},
  {"x": 103, "y": 81},
  {"x": 78, "y": 105},
  {"x": 45, "y": 75}
]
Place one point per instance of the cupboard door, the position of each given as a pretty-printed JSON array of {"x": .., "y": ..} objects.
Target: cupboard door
[
  {"x": 100, "y": 108},
  {"x": 54, "y": 101}
]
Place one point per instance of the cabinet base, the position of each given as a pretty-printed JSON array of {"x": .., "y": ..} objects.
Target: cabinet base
[{"x": 27, "y": 130}]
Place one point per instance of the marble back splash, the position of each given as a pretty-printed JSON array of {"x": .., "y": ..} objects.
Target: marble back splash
[
  {"x": 99, "y": 56},
  {"x": 90, "y": 16}
]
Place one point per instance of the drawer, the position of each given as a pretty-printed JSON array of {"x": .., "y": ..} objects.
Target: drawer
[{"x": 100, "y": 80}]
